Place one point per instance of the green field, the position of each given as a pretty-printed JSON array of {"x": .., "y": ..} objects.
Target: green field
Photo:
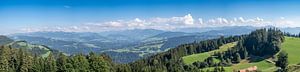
[
  {"x": 202, "y": 56},
  {"x": 292, "y": 47}
]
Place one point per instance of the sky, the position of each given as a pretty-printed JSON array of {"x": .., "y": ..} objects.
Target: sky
[{"x": 104, "y": 15}]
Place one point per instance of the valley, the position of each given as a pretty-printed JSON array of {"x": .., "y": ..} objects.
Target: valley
[{"x": 123, "y": 46}]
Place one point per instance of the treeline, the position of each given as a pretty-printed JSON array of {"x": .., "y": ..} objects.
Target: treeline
[
  {"x": 291, "y": 35},
  {"x": 20, "y": 60}
]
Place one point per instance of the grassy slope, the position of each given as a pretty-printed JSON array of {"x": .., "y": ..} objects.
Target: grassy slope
[
  {"x": 262, "y": 65},
  {"x": 291, "y": 46},
  {"x": 201, "y": 56},
  {"x": 31, "y": 46}
]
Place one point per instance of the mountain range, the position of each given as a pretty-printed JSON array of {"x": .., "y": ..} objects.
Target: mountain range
[{"x": 129, "y": 45}]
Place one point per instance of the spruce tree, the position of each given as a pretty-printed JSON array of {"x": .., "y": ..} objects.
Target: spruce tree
[
  {"x": 97, "y": 63},
  {"x": 4, "y": 65},
  {"x": 282, "y": 61},
  {"x": 80, "y": 63},
  {"x": 61, "y": 63},
  {"x": 37, "y": 64},
  {"x": 50, "y": 65},
  {"x": 25, "y": 64}
]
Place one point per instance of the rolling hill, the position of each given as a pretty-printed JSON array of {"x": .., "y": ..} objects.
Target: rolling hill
[
  {"x": 34, "y": 49},
  {"x": 201, "y": 56},
  {"x": 290, "y": 45},
  {"x": 141, "y": 42}
]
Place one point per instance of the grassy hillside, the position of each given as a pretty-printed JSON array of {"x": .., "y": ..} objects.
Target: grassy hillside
[
  {"x": 201, "y": 56},
  {"x": 33, "y": 48},
  {"x": 264, "y": 66},
  {"x": 292, "y": 47}
]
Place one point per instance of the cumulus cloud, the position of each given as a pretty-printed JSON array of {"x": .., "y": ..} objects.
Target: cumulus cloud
[{"x": 168, "y": 24}]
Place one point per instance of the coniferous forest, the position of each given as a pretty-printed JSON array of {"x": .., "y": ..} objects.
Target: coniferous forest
[{"x": 262, "y": 43}]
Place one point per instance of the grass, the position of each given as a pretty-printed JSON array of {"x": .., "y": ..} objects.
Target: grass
[
  {"x": 263, "y": 65},
  {"x": 227, "y": 69},
  {"x": 202, "y": 56},
  {"x": 292, "y": 47}
]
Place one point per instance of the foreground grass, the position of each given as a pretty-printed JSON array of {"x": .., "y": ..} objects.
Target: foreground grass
[{"x": 202, "y": 56}]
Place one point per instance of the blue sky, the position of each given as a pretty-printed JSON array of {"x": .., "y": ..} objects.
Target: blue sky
[{"x": 18, "y": 14}]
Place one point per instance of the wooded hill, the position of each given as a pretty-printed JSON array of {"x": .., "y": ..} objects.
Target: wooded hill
[{"x": 263, "y": 43}]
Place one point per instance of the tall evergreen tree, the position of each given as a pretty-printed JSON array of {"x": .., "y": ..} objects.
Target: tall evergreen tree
[
  {"x": 4, "y": 65},
  {"x": 97, "y": 63},
  {"x": 80, "y": 63},
  {"x": 282, "y": 62},
  {"x": 62, "y": 63},
  {"x": 37, "y": 64},
  {"x": 50, "y": 64},
  {"x": 25, "y": 61}
]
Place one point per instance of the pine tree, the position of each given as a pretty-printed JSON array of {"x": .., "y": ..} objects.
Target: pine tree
[
  {"x": 4, "y": 65},
  {"x": 80, "y": 63},
  {"x": 37, "y": 64},
  {"x": 13, "y": 59},
  {"x": 25, "y": 64},
  {"x": 282, "y": 61},
  {"x": 97, "y": 63},
  {"x": 50, "y": 65},
  {"x": 61, "y": 63}
]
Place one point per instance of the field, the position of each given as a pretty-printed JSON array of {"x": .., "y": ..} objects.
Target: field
[
  {"x": 291, "y": 46},
  {"x": 201, "y": 56}
]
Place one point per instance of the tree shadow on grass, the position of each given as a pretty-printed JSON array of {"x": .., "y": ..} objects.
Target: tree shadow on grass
[{"x": 258, "y": 58}]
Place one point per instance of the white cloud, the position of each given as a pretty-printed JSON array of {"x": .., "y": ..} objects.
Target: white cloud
[
  {"x": 188, "y": 19},
  {"x": 168, "y": 24},
  {"x": 200, "y": 21}
]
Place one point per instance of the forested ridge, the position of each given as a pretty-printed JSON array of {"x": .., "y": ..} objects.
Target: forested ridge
[{"x": 262, "y": 43}]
